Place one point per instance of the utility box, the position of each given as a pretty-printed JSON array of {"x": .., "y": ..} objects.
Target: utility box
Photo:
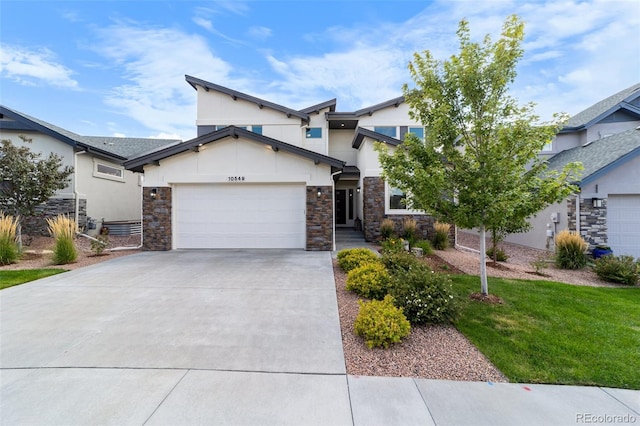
[{"x": 555, "y": 217}]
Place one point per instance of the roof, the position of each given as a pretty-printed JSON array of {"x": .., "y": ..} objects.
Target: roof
[
  {"x": 600, "y": 156},
  {"x": 137, "y": 164},
  {"x": 361, "y": 133},
  {"x": 331, "y": 104},
  {"x": 117, "y": 149},
  {"x": 193, "y": 81},
  {"x": 604, "y": 108}
]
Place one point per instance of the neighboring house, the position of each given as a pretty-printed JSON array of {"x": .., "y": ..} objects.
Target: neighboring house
[
  {"x": 606, "y": 139},
  {"x": 100, "y": 187},
  {"x": 263, "y": 175}
]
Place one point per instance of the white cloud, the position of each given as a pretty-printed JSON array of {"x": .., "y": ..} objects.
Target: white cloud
[
  {"x": 34, "y": 67},
  {"x": 154, "y": 62},
  {"x": 259, "y": 33},
  {"x": 204, "y": 23}
]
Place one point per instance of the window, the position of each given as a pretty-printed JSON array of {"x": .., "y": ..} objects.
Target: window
[
  {"x": 107, "y": 171},
  {"x": 418, "y": 131},
  {"x": 313, "y": 132},
  {"x": 397, "y": 199},
  {"x": 387, "y": 131},
  {"x": 256, "y": 129},
  {"x": 548, "y": 147}
]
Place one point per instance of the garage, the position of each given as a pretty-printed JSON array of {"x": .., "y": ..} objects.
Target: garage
[
  {"x": 239, "y": 215},
  {"x": 623, "y": 224}
]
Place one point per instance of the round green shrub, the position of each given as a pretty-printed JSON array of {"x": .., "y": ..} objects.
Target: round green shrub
[
  {"x": 501, "y": 256},
  {"x": 425, "y": 246},
  {"x": 370, "y": 280},
  {"x": 349, "y": 259},
  {"x": 381, "y": 323},
  {"x": 618, "y": 269},
  {"x": 426, "y": 297},
  {"x": 392, "y": 245},
  {"x": 399, "y": 260}
]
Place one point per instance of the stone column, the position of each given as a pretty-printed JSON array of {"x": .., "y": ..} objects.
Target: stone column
[
  {"x": 156, "y": 219},
  {"x": 319, "y": 218}
]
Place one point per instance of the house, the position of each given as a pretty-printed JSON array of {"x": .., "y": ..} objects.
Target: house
[
  {"x": 605, "y": 138},
  {"x": 100, "y": 187},
  {"x": 262, "y": 175}
]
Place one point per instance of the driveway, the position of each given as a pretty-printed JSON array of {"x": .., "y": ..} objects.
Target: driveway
[{"x": 234, "y": 336}]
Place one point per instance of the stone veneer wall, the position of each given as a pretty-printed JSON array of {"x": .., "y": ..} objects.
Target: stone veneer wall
[
  {"x": 156, "y": 219},
  {"x": 319, "y": 218},
  {"x": 374, "y": 202},
  {"x": 37, "y": 224},
  {"x": 593, "y": 221}
]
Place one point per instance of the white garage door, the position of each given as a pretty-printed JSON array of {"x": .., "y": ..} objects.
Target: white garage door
[
  {"x": 240, "y": 216},
  {"x": 623, "y": 224}
]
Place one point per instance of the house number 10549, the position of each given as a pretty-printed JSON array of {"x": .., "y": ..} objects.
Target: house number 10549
[{"x": 235, "y": 178}]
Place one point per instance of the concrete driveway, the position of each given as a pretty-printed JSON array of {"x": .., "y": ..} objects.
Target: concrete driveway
[{"x": 234, "y": 336}]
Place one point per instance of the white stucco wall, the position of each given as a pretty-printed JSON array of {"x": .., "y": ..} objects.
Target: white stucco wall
[
  {"x": 601, "y": 130},
  {"x": 218, "y": 161},
  {"x": 390, "y": 116},
  {"x": 110, "y": 199},
  {"x": 624, "y": 179},
  {"x": 537, "y": 236},
  {"x": 45, "y": 145},
  {"x": 340, "y": 146}
]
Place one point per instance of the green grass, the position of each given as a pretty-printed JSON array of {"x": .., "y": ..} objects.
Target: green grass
[
  {"x": 548, "y": 332},
  {"x": 11, "y": 278}
]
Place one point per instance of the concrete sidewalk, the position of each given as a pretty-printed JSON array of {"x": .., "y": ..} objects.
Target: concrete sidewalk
[{"x": 230, "y": 337}]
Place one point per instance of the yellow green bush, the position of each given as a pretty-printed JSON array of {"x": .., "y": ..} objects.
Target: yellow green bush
[
  {"x": 370, "y": 280},
  {"x": 349, "y": 259},
  {"x": 380, "y": 323}
]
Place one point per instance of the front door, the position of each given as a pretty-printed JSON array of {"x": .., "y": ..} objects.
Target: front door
[{"x": 341, "y": 206}]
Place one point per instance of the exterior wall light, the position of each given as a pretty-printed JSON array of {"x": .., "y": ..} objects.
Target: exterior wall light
[
  {"x": 319, "y": 192},
  {"x": 154, "y": 193},
  {"x": 358, "y": 190},
  {"x": 597, "y": 202}
]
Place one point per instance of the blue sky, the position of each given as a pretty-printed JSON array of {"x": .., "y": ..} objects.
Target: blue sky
[{"x": 117, "y": 68}]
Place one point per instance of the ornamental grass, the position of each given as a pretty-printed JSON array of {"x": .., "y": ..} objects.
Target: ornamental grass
[
  {"x": 9, "y": 252},
  {"x": 570, "y": 250},
  {"x": 441, "y": 238},
  {"x": 63, "y": 230}
]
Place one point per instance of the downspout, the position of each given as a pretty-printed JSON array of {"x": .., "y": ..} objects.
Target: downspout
[
  {"x": 578, "y": 213},
  {"x": 76, "y": 194},
  {"x": 333, "y": 191}
]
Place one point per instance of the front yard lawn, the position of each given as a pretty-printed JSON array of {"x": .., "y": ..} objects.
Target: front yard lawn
[
  {"x": 548, "y": 332},
  {"x": 11, "y": 278}
]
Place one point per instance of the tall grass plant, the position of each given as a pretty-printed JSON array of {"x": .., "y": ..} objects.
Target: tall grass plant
[
  {"x": 9, "y": 252},
  {"x": 63, "y": 229}
]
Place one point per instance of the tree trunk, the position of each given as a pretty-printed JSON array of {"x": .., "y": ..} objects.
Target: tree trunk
[{"x": 484, "y": 287}]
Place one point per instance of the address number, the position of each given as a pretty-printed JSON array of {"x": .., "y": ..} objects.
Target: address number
[{"x": 235, "y": 178}]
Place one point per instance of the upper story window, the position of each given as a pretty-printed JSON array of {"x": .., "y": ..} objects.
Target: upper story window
[
  {"x": 387, "y": 131},
  {"x": 313, "y": 132},
  {"x": 107, "y": 171},
  {"x": 418, "y": 131},
  {"x": 548, "y": 147}
]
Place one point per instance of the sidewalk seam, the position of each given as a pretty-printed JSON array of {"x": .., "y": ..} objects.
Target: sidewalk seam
[
  {"x": 612, "y": 396},
  {"x": 423, "y": 400}
]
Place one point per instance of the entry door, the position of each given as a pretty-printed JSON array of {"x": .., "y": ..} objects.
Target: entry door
[{"x": 341, "y": 206}]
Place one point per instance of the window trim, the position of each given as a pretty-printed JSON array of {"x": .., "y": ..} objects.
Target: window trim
[
  {"x": 395, "y": 134},
  {"x": 101, "y": 175},
  {"x": 387, "y": 204}
]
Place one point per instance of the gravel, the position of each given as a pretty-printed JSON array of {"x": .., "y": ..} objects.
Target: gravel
[
  {"x": 432, "y": 351},
  {"x": 37, "y": 252}
]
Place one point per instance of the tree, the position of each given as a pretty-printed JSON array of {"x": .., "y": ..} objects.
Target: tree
[
  {"x": 26, "y": 179},
  {"x": 478, "y": 165}
]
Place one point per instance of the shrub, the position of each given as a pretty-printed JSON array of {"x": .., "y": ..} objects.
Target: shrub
[
  {"x": 387, "y": 229},
  {"x": 409, "y": 229},
  {"x": 349, "y": 259},
  {"x": 369, "y": 280},
  {"x": 380, "y": 323},
  {"x": 501, "y": 256},
  {"x": 570, "y": 250},
  {"x": 9, "y": 252},
  {"x": 425, "y": 296},
  {"x": 399, "y": 261},
  {"x": 425, "y": 246},
  {"x": 392, "y": 245},
  {"x": 97, "y": 247},
  {"x": 539, "y": 264},
  {"x": 63, "y": 229},
  {"x": 441, "y": 237},
  {"x": 618, "y": 269}
]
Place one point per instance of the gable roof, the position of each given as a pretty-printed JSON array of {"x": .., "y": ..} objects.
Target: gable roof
[
  {"x": 361, "y": 133},
  {"x": 331, "y": 104},
  {"x": 600, "y": 156},
  {"x": 604, "y": 108},
  {"x": 137, "y": 164},
  {"x": 193, "y": 81},
  {"x": 112, "y": 148}
]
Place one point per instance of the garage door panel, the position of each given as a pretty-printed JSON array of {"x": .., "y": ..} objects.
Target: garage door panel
[
  {"x": 240, "y": 216},
  {"x": 623, "y": 224}
]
